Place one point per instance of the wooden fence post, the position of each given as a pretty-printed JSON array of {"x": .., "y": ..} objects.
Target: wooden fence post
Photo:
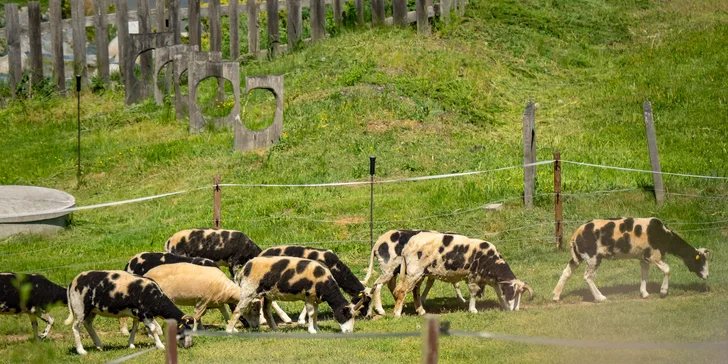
[
  {"x": 234, "y": 21},
  {"x": 445, "y": 11},
  {"x": 529, "y": 153},
  {"x": 159, "y": 8},
  {"x": 377, "y": 12},
  {"x": 171, "y": 341},
  {"x": 213, "y": 7},
  {"x": 102, "y": 40},
  {"x": 274, "y": 38},
  {"x": 217, "y": 207},
  {"x": 338, "y": 6},
  {"x": 79, "y": 40},
  {"x": 318, "y": 20},
  {"x": 423, "y": 22},
  {"x": 253, "y": 44},
  {"x": 122, "y": 33},
  {"x": 654, "y": 157},
  {"x": 359, "y": 4},
  {"x": 399, "y": 12},
  {"x": 431, "y": 332},
  {"x": 12, "y": 34},
  {"x": 193, "y": 21},
  {"x": 36, "y": 56},
  {"x": 174, "y": 21},
  {"x": 559, "y": 233},
  {"x": 59, "y": 70},
  {"x": 145, "y": 58},
  {"x": 295, "y": 23}
]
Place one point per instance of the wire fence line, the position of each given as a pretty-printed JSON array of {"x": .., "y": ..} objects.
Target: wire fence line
[
  {"x": 130, "y": 356},
  {"x": 643, "y": 170}
]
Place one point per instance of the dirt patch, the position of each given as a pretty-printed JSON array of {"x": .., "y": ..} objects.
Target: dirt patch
[
  {"x": 349, "y": 220},
  {"x": 380, "y": 126}
]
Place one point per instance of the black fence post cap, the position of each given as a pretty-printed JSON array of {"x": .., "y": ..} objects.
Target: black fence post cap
[
  {"x": 372, "y": 163},
  {"x": 78, "y": 83}
]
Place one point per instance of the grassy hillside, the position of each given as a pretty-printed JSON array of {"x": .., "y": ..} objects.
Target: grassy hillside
[{"x": 451, "y": 102}]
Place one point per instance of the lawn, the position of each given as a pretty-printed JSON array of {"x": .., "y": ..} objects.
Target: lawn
[{"x": 451, "y": 102}]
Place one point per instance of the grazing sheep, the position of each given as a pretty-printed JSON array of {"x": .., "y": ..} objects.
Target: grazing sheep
[
  {"x": 43, "y": 294},
  {"x": 644, "y": 239},
  {"x": 346, "y": 280},
  {"x": 193, "y": 285},
  {"x": 388, "y": 250},
  {"x": 229, "y": 248},
  {"x": 116, "y": 293},
  {"x": 292, "y": 279},
  {"x": 141, "y": 263},
  {"x": 454, "y": 258}
]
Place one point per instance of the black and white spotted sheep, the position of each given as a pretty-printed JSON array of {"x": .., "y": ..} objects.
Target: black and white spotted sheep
[
  {"x": 454, "y": 258},
  {"x": 41, "y": 296},
  {"x": 644, "y": 239},
  {"x": 116, "y": 293},
  {"x": 344, "y": 277},
  {"x": 388, "y": 251},
  {"x": 292, "y": 279},
  {"x": 230, "y": 248}
]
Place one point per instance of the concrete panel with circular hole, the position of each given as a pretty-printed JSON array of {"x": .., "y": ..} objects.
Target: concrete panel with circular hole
[
  {"x": 246, "y": 139},
  {"x": 136, "y": 89},
  {"x": 33, "y": 210},
  {"x": 163, "y": 56},
  {"x": 179, "y": 64},
  {"x": 198, "y": 69}
]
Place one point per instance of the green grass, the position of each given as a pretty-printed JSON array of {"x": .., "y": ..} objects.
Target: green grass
[{"x": 447, "y": 103}]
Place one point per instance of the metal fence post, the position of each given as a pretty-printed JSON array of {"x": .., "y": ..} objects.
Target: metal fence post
[
  {"x": 529, "y": 153},
  {"x": 217, "y": 207},
  {"x": 559, "y": 233},
  {"x": 654, "y": 157},
  {"x": 372, "y": 167}
]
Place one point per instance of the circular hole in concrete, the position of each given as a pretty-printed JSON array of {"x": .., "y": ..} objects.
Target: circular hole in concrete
[
  {"x": 212, "y": 101},
  {"x": 144, "y": 67},
  {"x": 165, "y": 79},
  {"x": 259, "y": 110}
]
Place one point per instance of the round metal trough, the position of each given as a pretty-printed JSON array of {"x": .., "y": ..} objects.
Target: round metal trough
[{"x": 33, "y": 210}]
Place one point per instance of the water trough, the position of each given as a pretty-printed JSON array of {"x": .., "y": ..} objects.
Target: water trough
[{"x": 33, "y": 210}]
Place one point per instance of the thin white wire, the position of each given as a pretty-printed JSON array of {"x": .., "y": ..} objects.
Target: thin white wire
[
  {"x": 643, "y": 170},
  {"x": 409, "y": 179},
  {"x": 696, "y": 223},
  {"x": 132, "y": 356},
  {"x": 703, "y": 229},
  {"x": 691, "y": 195}
]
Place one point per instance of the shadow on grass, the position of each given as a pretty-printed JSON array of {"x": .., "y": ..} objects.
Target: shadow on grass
[
  {"x": 122, "y": 350},
  {"x": 442, "y": 305},
  {"x": 652, "y": 288}
]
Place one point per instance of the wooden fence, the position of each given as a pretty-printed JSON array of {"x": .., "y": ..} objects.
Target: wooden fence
[{"x": 168, "y": 17}]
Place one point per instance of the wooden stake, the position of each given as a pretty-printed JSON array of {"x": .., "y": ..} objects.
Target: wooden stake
[
  {"x": 171, "y": 341},
  {"x": 529, "y": 153},
  {"x": 217, "y": 207},
  {"x": 429, "y": 344},
  {"x": 654, "y": 157},
  {"x": 559, "y": 233}
]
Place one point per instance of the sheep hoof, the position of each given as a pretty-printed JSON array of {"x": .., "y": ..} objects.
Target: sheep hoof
[
  {"x": 421, "y": 312},
  {"x": 131, "y": 346},
  {"x": 125, "y": 332},
  {"x": 644, "y": 294},
  {"x": 160, "y": 346},
  {"x": 100, "y": 348},
  {"x": 600, "y": 299},
  {"x": 301, "y": 322},
  {"x": 380, "y": 311},
  {"x": 663, "y": 294},
  {"x": 81, "y": 351},
  {"x": 311, "y": 330}
]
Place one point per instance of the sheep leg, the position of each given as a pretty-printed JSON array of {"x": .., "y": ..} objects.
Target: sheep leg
[
  {"x": 428, "y": 285},
  {"x": 387, "y": 278},
  {"x": 400, "y": 293},
  {"x": 665, "y": 269},
  {"x": 123, "y": 328},
  {"x": 77, "y": 334},
  {"x": 225, "y": 315},
  {"x": 200, "y": 309},
  {"x": 267, "y": 303},
  {"x": 416, "y": 298},
  {"x": 48, "y": 319},
  {"x": 456, "y": 285},
  {"x": 282, "y": 314},
  {"x": 149, "y": 322},
  {"x": 34, "y": 323},
  {"x": 499, "y": 294},
  {"x": 310, "y": 309},
  {"x": 134, "y": 326},
  {"x": 643, "y": 284},
  {"x": 88, "y": 324},
  {"x": 474, "y": 289},
  {"x": 236, "y": 316},
  {"x": 302, "y": 316},
  {"x": 564, "y": 277},
  {"x": 591, "y": 271}
]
